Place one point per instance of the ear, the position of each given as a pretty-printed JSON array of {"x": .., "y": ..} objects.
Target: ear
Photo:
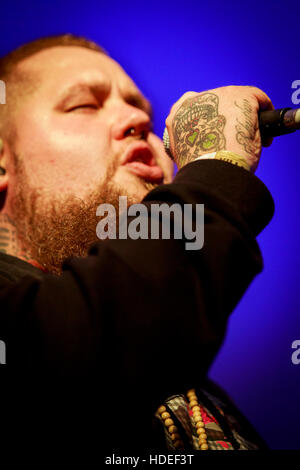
[{"x": 3, "y": 169}]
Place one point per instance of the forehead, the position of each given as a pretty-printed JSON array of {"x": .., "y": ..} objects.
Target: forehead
[{"x": 62, "y": 66}]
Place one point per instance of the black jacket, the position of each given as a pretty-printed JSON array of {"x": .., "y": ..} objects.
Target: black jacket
[{"x": 92, "y": 353}]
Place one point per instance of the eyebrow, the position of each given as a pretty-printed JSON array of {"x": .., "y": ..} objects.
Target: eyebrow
[
  {"x": 134, "y": 97},
  {"x": 74, "y": 90},
  {"x": 138, "y": 100}
]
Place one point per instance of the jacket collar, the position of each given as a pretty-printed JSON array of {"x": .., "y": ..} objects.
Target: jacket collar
[{"x": 14, "y": 269}]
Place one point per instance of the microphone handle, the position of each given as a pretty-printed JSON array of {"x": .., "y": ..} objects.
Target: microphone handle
[{"x": 279, "y": 122}]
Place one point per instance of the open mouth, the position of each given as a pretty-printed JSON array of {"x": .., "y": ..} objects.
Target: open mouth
[{"x": 140, "y": 161}]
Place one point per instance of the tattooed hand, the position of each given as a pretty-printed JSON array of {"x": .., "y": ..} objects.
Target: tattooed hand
[{"x": 221, "y": 119}]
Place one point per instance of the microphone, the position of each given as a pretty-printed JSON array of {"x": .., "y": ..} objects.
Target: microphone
[
  {"x": 271, "y": 124},
  {"x": 279, "y": 122}
]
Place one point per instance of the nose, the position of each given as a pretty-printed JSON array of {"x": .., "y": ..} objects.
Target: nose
[{"x": 130, "y": 120}]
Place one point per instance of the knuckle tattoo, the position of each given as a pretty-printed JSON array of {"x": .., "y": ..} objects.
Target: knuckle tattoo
[{"x": 198, "y": 127}]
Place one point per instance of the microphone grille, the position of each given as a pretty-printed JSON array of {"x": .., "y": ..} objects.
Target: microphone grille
[{"x": 166, "y": 141}]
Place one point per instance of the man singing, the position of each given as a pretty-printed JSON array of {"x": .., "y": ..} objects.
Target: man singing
[{"x": 109, "y": 342}]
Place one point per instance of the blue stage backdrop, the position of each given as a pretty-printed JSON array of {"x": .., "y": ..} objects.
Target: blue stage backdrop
[{"x": 173, "y": 47}]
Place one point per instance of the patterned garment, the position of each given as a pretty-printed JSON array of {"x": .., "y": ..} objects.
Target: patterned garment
[{"x": 222, "y": 428}]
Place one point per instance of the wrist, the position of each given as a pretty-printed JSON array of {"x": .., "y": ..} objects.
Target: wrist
[{"x": 230, "y": 157}]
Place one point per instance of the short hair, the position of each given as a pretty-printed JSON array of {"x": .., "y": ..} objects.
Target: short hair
[{"x": 18, "y": 84}]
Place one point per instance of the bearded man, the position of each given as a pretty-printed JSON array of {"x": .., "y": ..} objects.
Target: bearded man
[{"x": 109, "y": 343}]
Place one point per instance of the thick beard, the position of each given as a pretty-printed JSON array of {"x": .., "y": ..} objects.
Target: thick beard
[{"x": 53, "y": 228}]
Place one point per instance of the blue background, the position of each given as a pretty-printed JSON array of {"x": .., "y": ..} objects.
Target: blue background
[{"x": 170, "y": 48}]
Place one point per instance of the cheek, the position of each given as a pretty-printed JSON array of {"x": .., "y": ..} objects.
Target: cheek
[{"x": 61, "y": 156}]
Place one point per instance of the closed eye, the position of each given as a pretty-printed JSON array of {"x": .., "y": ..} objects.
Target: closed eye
[{"x": 83, "y": 106}]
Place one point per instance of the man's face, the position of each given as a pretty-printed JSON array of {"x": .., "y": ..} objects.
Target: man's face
[
  {"x": 74, "y": 150},
  {"x": 75, "y": 126}
]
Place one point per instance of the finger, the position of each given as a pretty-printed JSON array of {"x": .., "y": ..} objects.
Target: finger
[
  {"x": 265, "y": 103},
  {"x": 266, "y": 141}
]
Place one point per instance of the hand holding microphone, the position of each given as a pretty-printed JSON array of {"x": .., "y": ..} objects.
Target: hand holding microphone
[{"x": 236, "y": 119}]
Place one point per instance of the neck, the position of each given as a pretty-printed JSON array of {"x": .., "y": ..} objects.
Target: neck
[{"x": 10, "y": 243}]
